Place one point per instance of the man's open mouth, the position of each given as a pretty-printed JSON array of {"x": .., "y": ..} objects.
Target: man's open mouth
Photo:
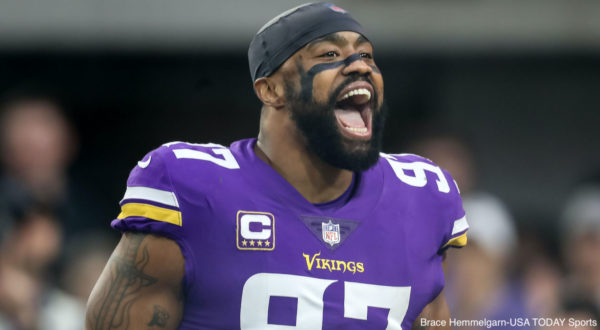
[{"x": 353, "y": 110}]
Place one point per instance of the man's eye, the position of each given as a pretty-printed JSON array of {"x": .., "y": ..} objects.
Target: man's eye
[
  {"x": 329, "y": 54},
  {"x": 366, "y": 55}
]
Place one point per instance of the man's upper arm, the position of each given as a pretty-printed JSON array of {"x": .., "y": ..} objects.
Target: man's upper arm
[{"x": 140, "y": 287}]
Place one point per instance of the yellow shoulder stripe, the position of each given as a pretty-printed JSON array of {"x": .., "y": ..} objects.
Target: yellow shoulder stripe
[
  {"x": 458, "y": 241},
  {"x": 151, "y": 212}
]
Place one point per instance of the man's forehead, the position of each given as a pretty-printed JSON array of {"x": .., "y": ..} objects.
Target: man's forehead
[{"x": 341, "y": 38}]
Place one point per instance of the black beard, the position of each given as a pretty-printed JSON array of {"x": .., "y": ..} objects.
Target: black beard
[{"x": 318, "y": 124}]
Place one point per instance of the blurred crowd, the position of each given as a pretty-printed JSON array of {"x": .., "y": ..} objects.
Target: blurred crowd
[
  {"x": 50, "y": 255},
  {"x": 510, "y": 272}
]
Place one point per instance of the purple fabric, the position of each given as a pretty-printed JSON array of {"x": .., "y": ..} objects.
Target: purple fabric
[
  {"x": 399, "y": 231},
  {"x": 282, "y": 310}
]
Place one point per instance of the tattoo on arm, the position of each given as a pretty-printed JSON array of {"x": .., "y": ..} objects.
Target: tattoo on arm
[
  {"x": 160, "y": 317},
  {"x": 127, "y": 278}
]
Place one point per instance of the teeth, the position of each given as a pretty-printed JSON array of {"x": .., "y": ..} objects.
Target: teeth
[
  {"x": 359, "y": 91},
  {"x": 357, "y": 129}
]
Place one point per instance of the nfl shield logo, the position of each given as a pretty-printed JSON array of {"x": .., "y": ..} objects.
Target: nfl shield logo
[{"x": 331, "y": 232}]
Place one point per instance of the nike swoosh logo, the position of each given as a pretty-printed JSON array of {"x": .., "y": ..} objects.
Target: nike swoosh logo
[{"x": 146, "y": 163}]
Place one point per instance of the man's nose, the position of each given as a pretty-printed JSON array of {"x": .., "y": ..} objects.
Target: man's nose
[{"x": 357, "y": 66}]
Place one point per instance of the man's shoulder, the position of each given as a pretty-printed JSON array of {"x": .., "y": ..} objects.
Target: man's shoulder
[
  {"x": 177, "y": 162},
  {"x": 417, "y": 172},
  {"x": 166, "y": 177},
  {"x": 179, "y": 153},
  {"x": 405, "y": 157},
  {"x": 417, "y": 182},
  {"x": 406, "y": 164},
  {"x": 189, "y": 150}
]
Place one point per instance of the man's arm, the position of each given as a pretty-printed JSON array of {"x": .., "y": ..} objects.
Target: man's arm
[
  {"x": 436, "y": 311},
  {"x": 140, "y": 287}
]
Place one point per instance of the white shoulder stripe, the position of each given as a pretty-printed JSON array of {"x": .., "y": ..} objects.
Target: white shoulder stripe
[
  {"x": 151, "y": 194},
  {"x": 460, "y": 225}
]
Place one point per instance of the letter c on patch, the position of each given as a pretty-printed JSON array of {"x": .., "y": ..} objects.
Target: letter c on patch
[{"x": 247, "y": 219}]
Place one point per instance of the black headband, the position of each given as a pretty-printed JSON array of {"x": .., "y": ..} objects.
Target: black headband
[{"x": 285, "y": 34}]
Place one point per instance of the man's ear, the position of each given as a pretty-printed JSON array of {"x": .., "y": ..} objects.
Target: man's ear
[{"x": 269, "y": 92}]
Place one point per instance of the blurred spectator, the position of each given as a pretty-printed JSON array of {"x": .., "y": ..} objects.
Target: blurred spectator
[
  {"x": 86, "y": 257},
  {"x": 41, "y": 212},
  {"x": 38, "y": 145},
  {"x": 581, "y": 247},
  {"x": 479, "y": 276},
  {"x": 28, "y": 300},
  {"x": 540, "y": 274},
  {"x": 478, "y": 282}
]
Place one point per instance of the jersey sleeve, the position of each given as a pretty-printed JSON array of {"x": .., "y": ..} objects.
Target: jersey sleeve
[
  {"x": 455, "y": 224},
  {"x": 150, "y": 203},
  {"x": 438, "y": 194}
]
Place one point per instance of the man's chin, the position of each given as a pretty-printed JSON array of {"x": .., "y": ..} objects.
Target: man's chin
[
  {"x": 356, "y": 147},
  {"x": 351, "y": 153},
  {"x": 358, "y": 164},
  {"x": 356, "y": 156}
]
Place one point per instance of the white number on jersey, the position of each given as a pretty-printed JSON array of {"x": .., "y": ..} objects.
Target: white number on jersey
[
  {"x": 359, "y": 296},
  {"x": 228, "y": 161},
  {"x": 419, "y": 179},
  {"x": 309, "y": 291}
]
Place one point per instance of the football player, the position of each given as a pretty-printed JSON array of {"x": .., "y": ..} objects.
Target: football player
[{"x": 307, "y": 226}]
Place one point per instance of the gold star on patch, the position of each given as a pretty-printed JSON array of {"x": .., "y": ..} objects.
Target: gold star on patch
[
  {"x": 244, "y": 242},
  {"x": 259, "y": 243},
  {"x": 252, "y": 243},
  {"x": 267, "y": 243}
]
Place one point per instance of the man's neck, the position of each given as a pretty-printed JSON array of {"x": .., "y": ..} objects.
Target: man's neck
[{"x": 314, "y": 179}]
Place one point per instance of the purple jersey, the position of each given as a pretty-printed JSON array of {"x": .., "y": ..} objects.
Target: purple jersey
[{"x": 260, "y": 256}]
